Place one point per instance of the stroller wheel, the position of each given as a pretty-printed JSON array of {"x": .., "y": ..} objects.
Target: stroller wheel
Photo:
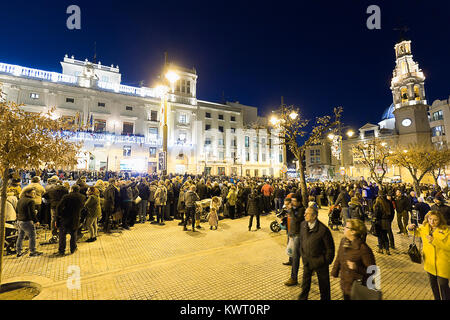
[{"x": 275, "y": 226}]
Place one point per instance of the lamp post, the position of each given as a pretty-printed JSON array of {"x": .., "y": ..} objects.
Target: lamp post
[
  {"x": 331, "y": 136},
  {"x": 171, "y": 77}
]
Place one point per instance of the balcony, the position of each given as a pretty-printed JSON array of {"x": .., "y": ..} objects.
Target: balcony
[{"x": 112, "y": 138}]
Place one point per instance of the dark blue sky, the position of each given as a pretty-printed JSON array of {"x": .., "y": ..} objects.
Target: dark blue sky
[{"x": 317, "y": 54}]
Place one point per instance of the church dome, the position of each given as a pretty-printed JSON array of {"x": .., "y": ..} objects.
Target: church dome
[{"x": 388, "y": 113}]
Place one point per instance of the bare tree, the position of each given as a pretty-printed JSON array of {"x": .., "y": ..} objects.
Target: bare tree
[
  {"x": 293, "y": 127},
  {"x": 373, "y": 155}
]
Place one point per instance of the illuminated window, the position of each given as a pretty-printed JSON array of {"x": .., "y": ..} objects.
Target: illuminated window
[
  {"x": 152, "y": 152},
  {"x": 438, "y": 115},
  {"x": 404, "y": 94},
  {"x": 183, "y": 118},
  {"x": 34, "y": 95},
  {"x": 99, "y": 125},
  {"x": 247, "y": 141},
  {"x": 416, "y": 93},
  {"x": 127, "y": 128},
  {"x": 182, "y": 137},
  {"x": 220, "y": 142},
  {"x": 153, "y": 134},
  {"x": 437, "y": 131}
]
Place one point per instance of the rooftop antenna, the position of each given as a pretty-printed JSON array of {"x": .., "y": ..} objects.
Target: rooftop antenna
[{"x": 95, "y": 53}]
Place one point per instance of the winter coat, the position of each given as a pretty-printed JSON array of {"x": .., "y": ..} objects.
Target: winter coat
[
  {"x": 190, "y": 197},
  {"x": 422, "y": 208},
  {"x": 437, "y": 253},
  {"x": 69, "y": 210},
  {"x": 144, "y": 191},
  {"x": 93, "y": 207},
  {"x": 54, "y": 195},
  {"x": 215, "y": 191},
  {"x": 316, "y": 245},
  {"x": 267, "y": 190},
  {"x": 112, "y": 200},
  {"x": 40, "y": 190},
  {"x": 355, "y": 210},
  {"x": 202, "y": 191},
  {"x": 253, "y": 205},
  {"x": 232, "y": 197},
  {"x": 26, "y": 210},
  {"x": 11, "y": 205},
  {"x": 382, "y": 213},
  {"x": 355, "y": 251},
  {"x": 343, "y": 199},
  {"x": 402, "y": 204},
  {"x": 161, "y": 196},
  {"x": 180, "y": 205},
  {"x": 294, "y": 220}
]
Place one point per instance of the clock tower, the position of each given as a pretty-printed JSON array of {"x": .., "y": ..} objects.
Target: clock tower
[{"x": 410, "y": 104}]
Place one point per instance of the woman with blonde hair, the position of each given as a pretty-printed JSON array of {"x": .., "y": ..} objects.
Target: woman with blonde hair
[
  {"x": 354, "y": 256},
  {"x": 435, "y": 237}
]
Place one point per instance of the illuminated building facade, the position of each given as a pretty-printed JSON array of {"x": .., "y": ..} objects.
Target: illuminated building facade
[{"x": 125, "y": 122}]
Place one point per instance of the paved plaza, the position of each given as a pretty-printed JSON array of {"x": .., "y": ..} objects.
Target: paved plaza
[{"x": 164, "y": 263}]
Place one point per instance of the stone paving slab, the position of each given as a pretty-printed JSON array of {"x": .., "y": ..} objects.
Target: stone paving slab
[{"x": 164, "y": 263}]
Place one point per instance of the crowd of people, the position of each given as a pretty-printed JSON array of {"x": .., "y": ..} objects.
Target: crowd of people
[{"x": 119, "y": 201}]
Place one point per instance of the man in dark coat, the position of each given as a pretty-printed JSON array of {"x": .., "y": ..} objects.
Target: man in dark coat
[
  {"x": 343, "y": 199},
  {"x": 402, "y": 205},
  {"x": 54, "y": 193},
  {"x": 68, "y": 218},
  {"x": 26, "y": 221},
  {"x": 144, "y": 194},
  {"x": 254, "y": 209},
  {"x": 202, "y": 189},
  {"x": 111, "y": 204},
  {"x": 295, "y": 218},
  {"x": 317, "y": 251},
  {"x": 439, "y": 205}
]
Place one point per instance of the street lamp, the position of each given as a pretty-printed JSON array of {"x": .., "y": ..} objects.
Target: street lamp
[
  {"x": 350, "y": 133},
  {"x": 171, "y": 77},
  {"x": 275, "y": 121}
]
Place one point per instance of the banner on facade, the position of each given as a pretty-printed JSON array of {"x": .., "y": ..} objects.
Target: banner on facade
[{"x": 162, "y": 161}]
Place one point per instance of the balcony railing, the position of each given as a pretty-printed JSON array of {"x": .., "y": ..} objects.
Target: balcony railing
[
  {"x": 19, "y": 71},
  {"x": 112, "y": 138}
]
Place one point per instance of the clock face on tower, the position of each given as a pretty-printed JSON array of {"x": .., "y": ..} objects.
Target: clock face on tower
[{"x": 406, "y": 122}]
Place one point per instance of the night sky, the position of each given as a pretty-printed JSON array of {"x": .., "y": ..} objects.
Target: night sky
[{"x": 317, "y": 54}]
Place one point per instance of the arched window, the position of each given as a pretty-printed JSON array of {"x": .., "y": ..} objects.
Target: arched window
[
  {"x": 403, "y": 66},
  {"x": 416, "y": 93},
  {"x": 404, "y": 94}
]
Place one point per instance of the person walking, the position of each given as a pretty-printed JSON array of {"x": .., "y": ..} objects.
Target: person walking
[
  {"x": 317, "y": 252},
  {"x": 54, "y": 193},
  {"x": 94, "y": 212},
  {"x": 353, "y": 258},
  {"x": 435, "y": 235},
  {"x": 68, "y": 219},
  {"x": 27, "y": 222},
  {"x": 342, "y": 200},
  {"x": 160, "y": 203}
]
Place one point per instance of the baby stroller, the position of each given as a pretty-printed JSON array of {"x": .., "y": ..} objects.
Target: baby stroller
[
  {"x": 202, "y": 209},
  {"x": 11, "y": 235},
  {"x": 334, "y": 217}
]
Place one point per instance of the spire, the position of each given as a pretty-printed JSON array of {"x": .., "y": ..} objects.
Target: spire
[{"x": 402, "y": 33}]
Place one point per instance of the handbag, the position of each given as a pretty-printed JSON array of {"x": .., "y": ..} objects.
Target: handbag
[
  {"x": 361, "y": 292},
  {"x": 413, "y": 251}
]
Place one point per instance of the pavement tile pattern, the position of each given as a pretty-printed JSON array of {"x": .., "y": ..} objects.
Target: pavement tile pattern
[{"x": 152, "y": 262}]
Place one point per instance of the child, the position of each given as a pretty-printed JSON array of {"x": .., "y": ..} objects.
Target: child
[{"x": 213, "y": 219}]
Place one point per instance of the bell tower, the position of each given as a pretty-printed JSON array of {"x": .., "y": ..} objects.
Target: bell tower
[{"x": 408, "y": 92}]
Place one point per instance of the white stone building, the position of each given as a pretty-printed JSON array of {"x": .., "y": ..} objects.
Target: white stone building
[{"x": 126, "y": 123}]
